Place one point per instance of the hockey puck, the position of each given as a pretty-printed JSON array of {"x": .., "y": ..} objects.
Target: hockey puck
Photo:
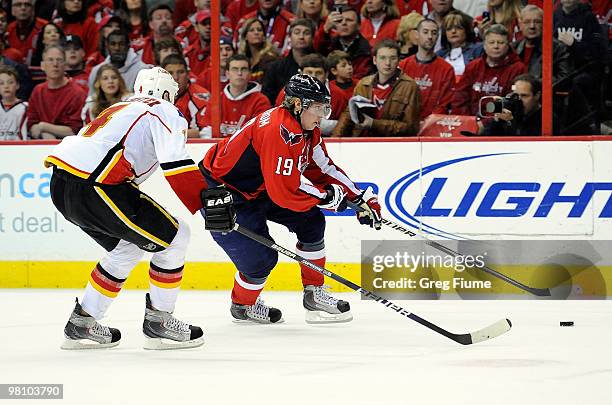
[{"x": 566, "y": 323}]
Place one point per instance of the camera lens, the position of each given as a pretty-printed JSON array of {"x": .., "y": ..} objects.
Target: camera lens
[{"x": 490, "y": 107}]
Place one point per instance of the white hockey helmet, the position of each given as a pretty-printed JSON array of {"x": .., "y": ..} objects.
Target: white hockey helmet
[{"x": 156, "y": 82}]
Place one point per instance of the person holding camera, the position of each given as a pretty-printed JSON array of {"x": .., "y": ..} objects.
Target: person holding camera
[{"x": 521, "y": 110}]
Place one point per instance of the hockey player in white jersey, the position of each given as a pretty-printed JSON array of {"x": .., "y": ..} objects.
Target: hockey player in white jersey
[{"x": 95, "y": 186}]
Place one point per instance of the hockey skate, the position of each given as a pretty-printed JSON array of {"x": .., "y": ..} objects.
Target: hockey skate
[
  {"x": 83, "y": 332},
  {"x": 258, "y": 313},
  {"x": 164, "y": 332},
  {"x": 323, "y": 308}
]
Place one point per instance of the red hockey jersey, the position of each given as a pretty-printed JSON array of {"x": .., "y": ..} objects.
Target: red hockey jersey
[
  {"x": 436, "y": 79},
  {"x": 236, "y": 111},
  {"x": 24, "y": 43},
  {"x": 408, "y": 6},
  {"x": 480, "y": 79},
  {"x": 271, "y": 154}
]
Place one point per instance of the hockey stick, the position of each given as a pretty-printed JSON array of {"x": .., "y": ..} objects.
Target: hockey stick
[
  {"x": 498, "y": 328},
  {"x": 540, "y": 292}
]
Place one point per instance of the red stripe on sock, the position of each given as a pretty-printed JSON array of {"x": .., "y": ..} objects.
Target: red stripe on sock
[{"x": 311, "y": 277}]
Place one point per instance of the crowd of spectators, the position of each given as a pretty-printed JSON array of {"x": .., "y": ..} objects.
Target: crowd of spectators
[{"x": 63, "y": 62}]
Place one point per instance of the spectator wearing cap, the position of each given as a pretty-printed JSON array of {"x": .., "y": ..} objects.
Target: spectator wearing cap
[
  {"x": 347, "y": 39},
  {"x": 226, "y": 51},
  {"x": 71, "y": 16},
  {"x": 198, "y": 53},
  {"x": 276, "y": 22},
  {"x": 301, "y": 34},
  {"x": 50, "y": 34},
  {"x": 98, "y": 9},
  {"x": 380, "y": 20},
  {"x": 23, "y": 32},
  {"x": 192, "y": 99},
  {"x": 62, "y": 117},
  {"x": 162, "y": 26},
  {"x": 239, "y": 8},
  {"x": 75, "y": 61},
  {"x": 136, "y": 15},
  {"x": 241, "y": 99},
  {"x": 124, "y": 58},
  {"x": 107, "y": 24},
  {"x": 255, "y": 45}
]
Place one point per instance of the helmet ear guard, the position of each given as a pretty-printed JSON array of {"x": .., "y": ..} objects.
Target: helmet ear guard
[{"x": 157, "y": 83}]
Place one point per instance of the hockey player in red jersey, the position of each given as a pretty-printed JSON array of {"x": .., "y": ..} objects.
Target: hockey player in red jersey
[
  {"x": 95, "y": 186},
  {"x": 278, "y": 170}
]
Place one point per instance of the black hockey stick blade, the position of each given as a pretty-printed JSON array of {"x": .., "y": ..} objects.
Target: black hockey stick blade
[
  {"x": 540, "y": 292},
  {"x": 491, "y": 331}
]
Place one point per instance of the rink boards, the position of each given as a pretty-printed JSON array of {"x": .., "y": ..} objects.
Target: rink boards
[{"x": 452, "y": 190}]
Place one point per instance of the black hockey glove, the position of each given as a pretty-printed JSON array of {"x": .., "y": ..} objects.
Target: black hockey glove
[{"x": 218, "y": 210}]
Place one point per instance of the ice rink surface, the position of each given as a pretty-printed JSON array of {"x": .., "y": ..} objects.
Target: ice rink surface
[{"x": 381, "y": 358}]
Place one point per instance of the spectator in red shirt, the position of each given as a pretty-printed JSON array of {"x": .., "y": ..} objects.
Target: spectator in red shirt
[
  {"x": 192, "y": 99},
  {"x": 380, "y": 21},
  {"x": 185, "y": 31},
  {"x": 434, "y": 76},
  {"x": 162, "y": 26},
  {"x": 239, "y": 8},
  {"x": 197, "y": 53},
  {"x": 276, "y": 22},
  {"x": 339, "y": 65},
  {"x": 489, "y": 75},
  {"x": 348, "y": 39},
  {"x": 10, "y": 53},
  {"x": 165, "y": 47},
  {"x": 71, "y": 17},
  {"x": 254, "y": 44},
  {"x": 50, "y": 34},
  {"x": 23, "y": 32},
  {"x": 75, "y": 61},
  {"x": 241, "y": 99},
  {"x": 62, "y": 117},
  {"x": 136, "y": 15}
]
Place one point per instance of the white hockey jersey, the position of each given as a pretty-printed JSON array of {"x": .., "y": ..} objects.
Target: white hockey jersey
[
  {"x": 13, "y": 122},
  {"x": 127, "y": 142}
]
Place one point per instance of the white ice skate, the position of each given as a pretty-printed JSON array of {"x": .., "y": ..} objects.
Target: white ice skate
[{"x": 323, "y": 308}]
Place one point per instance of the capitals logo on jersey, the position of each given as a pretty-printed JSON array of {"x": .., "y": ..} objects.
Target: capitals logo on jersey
[{"x": 289, "y": 137}]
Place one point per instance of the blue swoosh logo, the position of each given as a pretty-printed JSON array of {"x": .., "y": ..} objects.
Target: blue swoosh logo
[{"x": 393, "y": 198}]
